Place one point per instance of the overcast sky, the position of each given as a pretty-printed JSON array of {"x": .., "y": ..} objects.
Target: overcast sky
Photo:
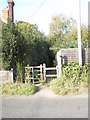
[{"x": 40, "y": 12}]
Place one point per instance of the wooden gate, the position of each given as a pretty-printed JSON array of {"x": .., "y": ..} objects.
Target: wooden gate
[
  {"x": 53, "y": 72},
  {"x": 33, "y": 74},
  {"x": 36, "y": 74}
]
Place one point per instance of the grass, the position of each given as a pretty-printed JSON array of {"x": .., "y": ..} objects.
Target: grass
[
  {"x": 67, "y": 88},
  {"x": 18, "y": 89}
]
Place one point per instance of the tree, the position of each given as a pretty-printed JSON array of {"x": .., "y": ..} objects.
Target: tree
[
  {"x": 9, "y": 45},
  {"x": 36, "y": 47},
  {"x": 24, "y": 43},
  {"x": 84, "y": 36},
  {"x": 63, "y": 33}
]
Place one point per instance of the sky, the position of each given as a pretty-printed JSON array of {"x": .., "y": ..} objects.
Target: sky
[{"x": 40, "y": 12}]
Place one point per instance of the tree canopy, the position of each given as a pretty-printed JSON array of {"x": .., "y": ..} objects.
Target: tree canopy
[
  {"x": 63, "y": 33},
  {"x": 23, "y": 42}
]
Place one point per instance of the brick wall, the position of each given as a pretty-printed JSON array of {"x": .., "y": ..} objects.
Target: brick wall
[{"x": 71, "y": 54}]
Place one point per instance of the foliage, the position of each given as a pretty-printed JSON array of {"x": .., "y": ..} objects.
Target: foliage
[
  {"x": 18, "y": 89},
  {"x": 9, "y": 46},
  {"x": 73, "y": 78},
  {"x": 24, "y": 42},
  {"x": 19, "y": 72},
  {"x": 63, "y": 33},
  {"x": 76, "y": 74},
  {"x": 27, "y": 73},
  {"x": 12, "y": 47},
  {"x": 36, "y": 47}
]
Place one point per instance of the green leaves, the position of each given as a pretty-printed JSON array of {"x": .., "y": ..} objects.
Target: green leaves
[
  {"x": 75, "y": 74},
  {"x": 23, "y": 42},
  {"x": 64, "y": 34},
  {"x": 9, "y": 45},
  {"x": 72, "y": 80}
]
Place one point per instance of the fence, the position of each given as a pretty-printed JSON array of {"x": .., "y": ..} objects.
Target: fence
[
  {"x": 6, "y": 76},
  {"x": 36, "y": 74},
  {"x": 65, "y": 56},
  {"x": 50, "y": 73}
]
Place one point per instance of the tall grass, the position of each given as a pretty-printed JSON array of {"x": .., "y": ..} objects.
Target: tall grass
[
  {"x": 19, "y": 72},
  {"x": 18, "y": 89}
]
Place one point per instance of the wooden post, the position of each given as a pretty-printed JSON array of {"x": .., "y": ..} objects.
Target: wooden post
[
  {"x": 33, "y": 75},
  {"x": 11, "y": 75},
  {"x": 44, "y": 69},
  {"x": 57, "y": 71},
  {"x": 41, "y": 72},
  {"x": 59, "y": 65}
]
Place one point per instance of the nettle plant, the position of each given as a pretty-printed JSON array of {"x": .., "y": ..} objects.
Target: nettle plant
[
  {"x": 72, "y": 72},
  {"x": 76, "y": 74},
  {"x": 72, "y": 79}
]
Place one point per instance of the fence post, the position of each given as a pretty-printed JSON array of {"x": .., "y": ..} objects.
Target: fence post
[
  {"x": 33, "y": 75},
  {"x": 59, "y": 65},
  {"x": 11, "y": 75},
  {"x": 44, "y": 69},
  {"x": 41, "y": 72}
]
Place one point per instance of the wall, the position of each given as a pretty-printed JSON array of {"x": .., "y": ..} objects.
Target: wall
[
  {"x": 6, "y": 76},
  {"x": 71, "y": 55}
]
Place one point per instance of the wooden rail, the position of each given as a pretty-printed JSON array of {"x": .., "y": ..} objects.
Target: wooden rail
[
  {"x": 50, "y": 69},
  {"x": 51, "y": 75}
]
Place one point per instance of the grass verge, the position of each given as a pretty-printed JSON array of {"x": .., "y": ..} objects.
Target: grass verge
[{"x": 18, "y": 89}]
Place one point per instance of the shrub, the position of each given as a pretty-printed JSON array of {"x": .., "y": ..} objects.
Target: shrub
[
  {"x": 73, "y": 78},
  {"x": 75, "y": 74}
]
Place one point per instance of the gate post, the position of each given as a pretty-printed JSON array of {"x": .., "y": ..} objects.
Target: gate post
[
  {"x": 41, "y": 72},
  {"x": 44, "y": 69},
  {"x": 33, "y": 75},
  {"x": 11, "y": 75},
  {"x": 59, "y": 65}
]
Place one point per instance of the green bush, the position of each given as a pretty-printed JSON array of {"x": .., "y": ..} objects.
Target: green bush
[
  {"x": 73, "y": 78},
  {"x": 18, "y": 89},
  {"x": 75, "y": 74}
]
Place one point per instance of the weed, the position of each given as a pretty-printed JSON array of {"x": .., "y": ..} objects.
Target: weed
[
  {"x": 18, "y": 89},
  {"x": 72, "y": 79}
]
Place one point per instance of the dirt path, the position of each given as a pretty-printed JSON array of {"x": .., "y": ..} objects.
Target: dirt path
[{"x": 45, "y": 91}]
